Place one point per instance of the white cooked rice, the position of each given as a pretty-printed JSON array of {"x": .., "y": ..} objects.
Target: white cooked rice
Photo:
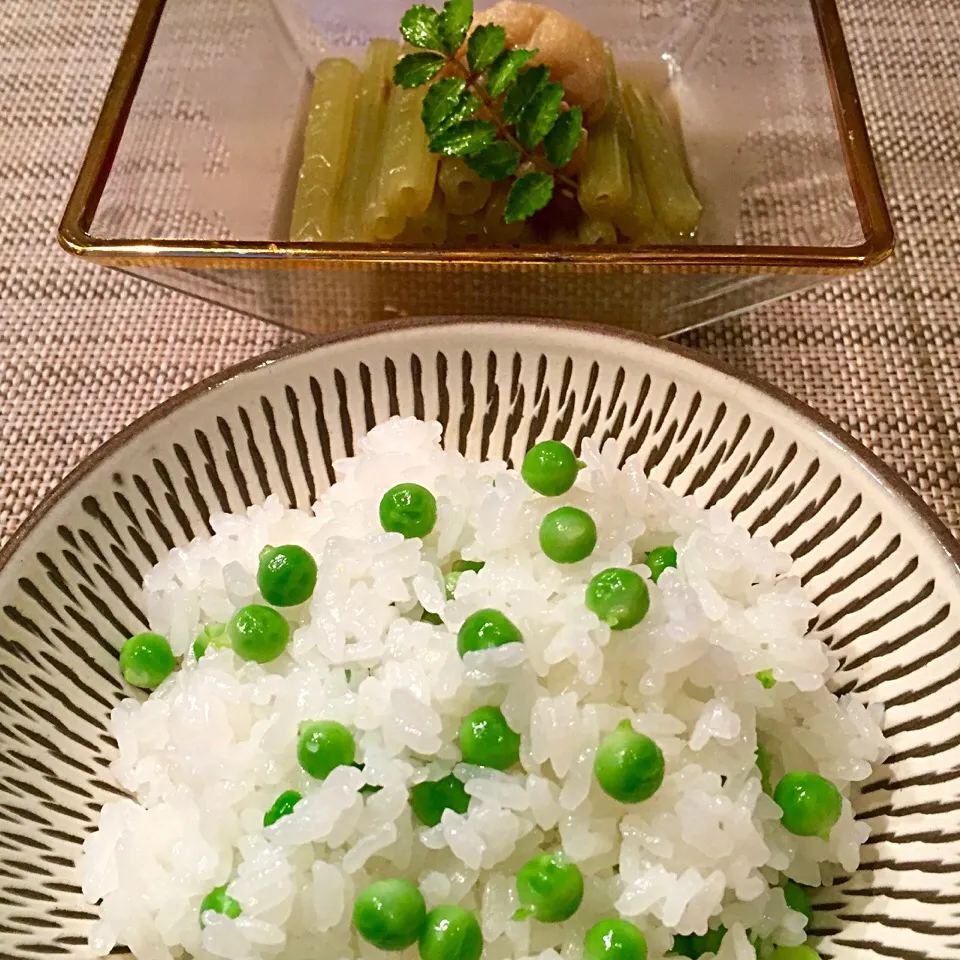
[{"x": 211, "y": 749}]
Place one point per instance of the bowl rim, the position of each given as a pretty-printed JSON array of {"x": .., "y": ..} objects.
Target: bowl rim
[
  {"x": 888, "y": 478},
  {"x": 75, "y": 236}
]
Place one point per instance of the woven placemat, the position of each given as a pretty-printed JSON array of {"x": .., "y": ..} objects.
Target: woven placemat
[{"x": 83, "y": 351}]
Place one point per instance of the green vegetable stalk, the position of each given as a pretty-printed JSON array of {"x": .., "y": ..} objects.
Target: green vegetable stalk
[{"x": 502, "y": 117}]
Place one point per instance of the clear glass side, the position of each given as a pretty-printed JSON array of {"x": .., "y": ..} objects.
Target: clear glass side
[
  {"x": 327, "y": 301},
  {"x": 211, "y": 147},
  {"x": 206, "y": 151}
]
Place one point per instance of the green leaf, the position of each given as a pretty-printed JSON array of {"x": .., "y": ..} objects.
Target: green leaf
[
  {"x": 529, "y": 193},
  {"x": 420, "y": 27},
  {"x": 464, "y": 139},
  {"x": 539, "y": 115},
  {"x": 455, "y": 21},
  {"x": 485, "y": 45},
  {"x": 465, "y": 110},
  {"x": 528, "y": 85},
  {"x": 447, "y": 102},
  {"x": 505, "y": 69},
  {"x": 441, "y": 100},
  {"x": 416, "y": 69},
  {"x": 561, "y": 142},
  {"x": 495, "y": 162}
]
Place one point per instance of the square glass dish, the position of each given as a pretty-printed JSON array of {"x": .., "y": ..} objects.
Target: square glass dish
[{"x": 191, "y": 172}]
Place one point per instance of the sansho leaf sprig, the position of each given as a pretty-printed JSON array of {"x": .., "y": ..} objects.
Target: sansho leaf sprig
[{"x": 505, "y": 119}]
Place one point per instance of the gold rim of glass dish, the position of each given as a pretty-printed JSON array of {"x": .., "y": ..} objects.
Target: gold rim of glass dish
[{"x": 75, "y": 236}]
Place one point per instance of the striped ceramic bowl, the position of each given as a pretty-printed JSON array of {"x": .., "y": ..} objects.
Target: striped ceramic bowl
[{"x": 884, "y": 572}]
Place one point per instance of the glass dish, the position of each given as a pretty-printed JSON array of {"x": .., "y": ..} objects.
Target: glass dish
[{"x": 189, "y": 177}]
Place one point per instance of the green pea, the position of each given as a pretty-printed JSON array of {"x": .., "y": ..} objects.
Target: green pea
[
  {"x": 368, "y": 789},
  {"x": 282, "y": 807},
  {"x": 459, "y": 568},
  {"x": 794, "y": 953},
  {"x": 550, "y": 468},
  {"x": 486, "y": 629},
  {"x": 765, "y": 767},
  {"x": 324, "y": 745},
  {"x": 451, "y": 933},
  {"x": 450, "y": 582},
  {"x": 693, "y": 945},
  {"x": 619, "y": 597},
  {"x": 681, "y": 947},
  {"x": 146, "y": 660},
  {"x": 218, "y": 901},
  {"x": 767, "y": 679},
  {"x": 390, "y": 914},
  {"x": 614, "y": 939},
  {"x": 258, "y": 633},
  {"x": 628, "y": 766},
  {"x": 287, "y": 575},
  {"x": 408, "y": 509},
  {"x": 811, "y": 805},
  {"x": 212, "y": 635},
  {"x": 568, "y": 535},
  {"x": 659, "y": 559},
  {"x": 486, "y": 740},
  {"x": 428, "y": 800},
  {"x": 550, "y": 888},
  {"x": 798, "y": 899}
]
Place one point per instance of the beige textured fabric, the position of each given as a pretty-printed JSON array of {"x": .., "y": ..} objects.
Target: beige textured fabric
[{"x": 84, "y": 351}]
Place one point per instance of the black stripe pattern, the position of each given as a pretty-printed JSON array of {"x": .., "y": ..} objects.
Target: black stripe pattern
[{"x": 887, "y": 591}]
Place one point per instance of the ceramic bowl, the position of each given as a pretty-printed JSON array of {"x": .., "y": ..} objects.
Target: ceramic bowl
[{"x": 885, "y": 574}]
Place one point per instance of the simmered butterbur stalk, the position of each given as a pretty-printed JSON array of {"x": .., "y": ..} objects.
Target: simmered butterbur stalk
[
  {"x": 605, "y": 186},
  {"x": 466, "y": 231},
  {"x": 325, "y": 144},
  {"x": 430, "y": 227},
  {"x": 594, "y": 230},
  {"x": 366, "y": 140},
  {"x": 637, "y": 221},
  {"x": 661, "y": 158},
  {"x": 464, "y": 191},
  {"x": 495, "y": 228},
  {"x": 408, "y": 170},
  {"x": 561, "y": 235}
]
